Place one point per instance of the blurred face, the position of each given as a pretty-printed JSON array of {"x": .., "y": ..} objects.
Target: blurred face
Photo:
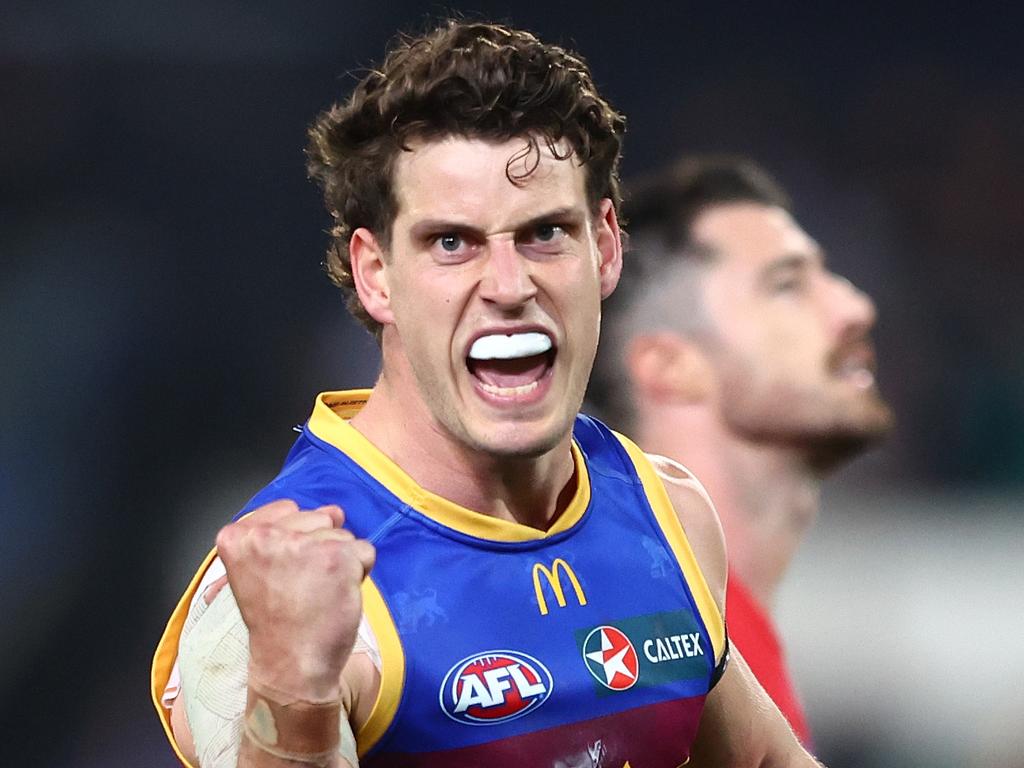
[
  {"x": 494, "y": 293},
  {"x": 790, "y": 342}
]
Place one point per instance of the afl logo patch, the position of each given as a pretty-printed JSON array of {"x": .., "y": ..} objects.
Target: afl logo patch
[
  {"x": 611, "y": 658},
  {"x": 494, "y": 687}
]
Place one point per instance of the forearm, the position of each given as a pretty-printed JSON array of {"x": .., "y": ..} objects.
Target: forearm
[
  {"x": 251, "y": 758},
  {"x": 306, "y": 726},
  {"x": 742, "y": 728},
  {"x": 278, "y": 728},
  {"x": 268, "y": 733},
  {"x": 222, "y": 687},
  {"x": 793, "y": 755},
  {"x": 798, "y": 759}
]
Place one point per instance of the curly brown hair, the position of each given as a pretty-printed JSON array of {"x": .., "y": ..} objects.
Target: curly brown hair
[{"x": 472, "y": 79}]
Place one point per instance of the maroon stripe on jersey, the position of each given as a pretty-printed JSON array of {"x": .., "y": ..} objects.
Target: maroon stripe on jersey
[{"x": 636, "y": 735}]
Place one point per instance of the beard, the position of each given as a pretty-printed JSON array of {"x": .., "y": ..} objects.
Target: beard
[{"x": 829, "y": 424}]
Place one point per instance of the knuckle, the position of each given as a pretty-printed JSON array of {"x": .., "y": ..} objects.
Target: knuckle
[
  {"x": 295, "y": 545},
  {"x": 226, "y": 538},
  {"x": 338, "y": 558},
  {"x": 260, "y": 536},
  {"x": 366, "y": 548},
  {"x": 283, "y": 505}
]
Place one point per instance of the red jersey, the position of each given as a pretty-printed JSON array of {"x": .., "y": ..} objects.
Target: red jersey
[{"x": 753, "y": 632}]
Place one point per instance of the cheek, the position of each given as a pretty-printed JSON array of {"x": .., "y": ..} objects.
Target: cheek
[
  {"x": 576, "y": 293},
  {"x": 421, "y": 297},
  {"x": 787, "y": 332},
  {"x": 420, "y": 323},
  {"x": 795, "y": 353},
  {"x": 759, "y": 352}
]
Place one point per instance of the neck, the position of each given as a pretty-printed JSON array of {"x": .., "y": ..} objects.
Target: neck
[
  {"x": 531, "y": 491},
  {"x": 766, "y": 495}
]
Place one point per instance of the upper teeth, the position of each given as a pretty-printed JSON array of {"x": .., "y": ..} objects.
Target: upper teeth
[
  {"x": 507, "y": 346},
  {"x": 857, "y": 373}
]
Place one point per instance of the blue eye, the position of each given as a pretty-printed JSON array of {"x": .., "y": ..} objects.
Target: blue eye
[
  {"x": 450, "y": 242},
  {"x": 546, "y": 237},
  {"x": 547, "y": 232}
]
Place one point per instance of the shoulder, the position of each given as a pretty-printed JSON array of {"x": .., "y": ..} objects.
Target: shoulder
[
  {"x": 696, "y": 512},
  {"x": 692, "y": 507},
  {"x": 314, "y": 474}
]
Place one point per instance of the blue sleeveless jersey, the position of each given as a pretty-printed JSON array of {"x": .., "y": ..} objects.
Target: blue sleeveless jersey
[{"x": 590, "y": 644}]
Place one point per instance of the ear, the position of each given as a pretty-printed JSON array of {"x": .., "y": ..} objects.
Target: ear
[
  {"x": 609, "y": 247},
  {"x": 370, "y": 274},
  {"x": 668, "y": 368}
]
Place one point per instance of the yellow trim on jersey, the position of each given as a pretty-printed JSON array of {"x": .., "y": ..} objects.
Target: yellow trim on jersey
[
  {"x": 667, "y": 518},
  {"x": 167, "y": 653},
  {"x": 329, "y": 422},
  {"x": 392, "y": 668}
]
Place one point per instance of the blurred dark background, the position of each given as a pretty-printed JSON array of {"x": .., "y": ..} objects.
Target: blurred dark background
[{"x": 164, "y": 321}]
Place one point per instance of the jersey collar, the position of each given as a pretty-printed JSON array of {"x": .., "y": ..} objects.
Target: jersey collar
[{"x": 330, "y": 423}]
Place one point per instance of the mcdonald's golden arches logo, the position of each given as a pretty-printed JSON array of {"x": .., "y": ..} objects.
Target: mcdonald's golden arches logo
[{"x": 552, "y": 576}]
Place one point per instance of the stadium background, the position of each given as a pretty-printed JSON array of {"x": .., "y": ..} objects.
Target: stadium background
[{"x": 164, "y": 322}]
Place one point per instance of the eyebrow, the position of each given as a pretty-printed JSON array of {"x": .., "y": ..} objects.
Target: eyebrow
[
  {"x": 569, "y": 214},
  {"x": 791, "y": 261}
]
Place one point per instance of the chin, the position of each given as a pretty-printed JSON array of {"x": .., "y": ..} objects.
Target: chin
[
  {"x": 828, "y": 449},
  {"x": 518, "y": 440},
  {"x": 828, "y": 435},
  {"x": 829, "y": 452},
  {"x": 513, "y": 450}
]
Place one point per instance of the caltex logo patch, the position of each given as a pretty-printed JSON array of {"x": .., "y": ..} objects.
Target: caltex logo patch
[
  {"x": 611, "y": 658},
  {"x": 649, "y": 651},
  {"x": 494, "y": 686}
]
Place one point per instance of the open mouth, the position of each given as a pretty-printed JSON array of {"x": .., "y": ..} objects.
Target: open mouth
[
  {"x": 511, "y": 365},
  {"x": 860, "y": 376},
  {"x": 855, "y": 365}
]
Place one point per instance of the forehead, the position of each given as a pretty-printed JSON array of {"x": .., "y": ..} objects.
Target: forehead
[
  {"x": 750, "y": 235},
  {"x": 461, "y": 178}
]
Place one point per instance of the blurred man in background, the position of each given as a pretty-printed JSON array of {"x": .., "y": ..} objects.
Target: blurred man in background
[{"x": 732, "y": 349}]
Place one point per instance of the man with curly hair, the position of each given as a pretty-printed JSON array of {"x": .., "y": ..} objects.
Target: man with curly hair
[{"x": 512, "y": 617}]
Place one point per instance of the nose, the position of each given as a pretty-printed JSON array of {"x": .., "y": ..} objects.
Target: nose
[
  {"x": 507, "y": 281},
  {"x": 851, "y": 307}
]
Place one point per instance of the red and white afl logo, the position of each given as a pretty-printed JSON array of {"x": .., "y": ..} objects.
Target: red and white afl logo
[
  {"x": 611, "y": 658},
  {"x": 493, "y": 687}
]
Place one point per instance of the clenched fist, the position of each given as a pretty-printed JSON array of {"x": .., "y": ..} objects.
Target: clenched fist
[{"x": 296, "y": 577}]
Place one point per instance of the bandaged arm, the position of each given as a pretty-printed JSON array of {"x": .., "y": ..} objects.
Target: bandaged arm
[{"x": 213, "y": 657}]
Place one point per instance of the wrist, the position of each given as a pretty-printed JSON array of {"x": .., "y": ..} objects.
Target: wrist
[
  {"x": 289, "y": 677},
  {"x": 292, "y": 729}
]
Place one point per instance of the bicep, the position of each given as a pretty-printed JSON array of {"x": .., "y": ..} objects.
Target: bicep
[
  {"x": 742, "y": 727},
  {"x": 213, "y": 656},
  {"x": 182, "y": 733}
]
